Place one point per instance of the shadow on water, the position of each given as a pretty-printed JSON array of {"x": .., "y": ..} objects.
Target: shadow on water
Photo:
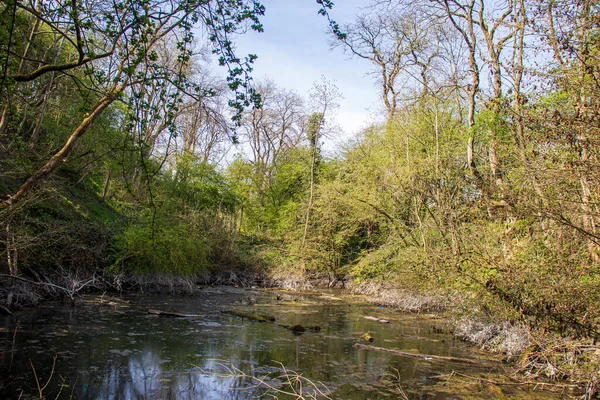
[{"x": 108, "y": 348}]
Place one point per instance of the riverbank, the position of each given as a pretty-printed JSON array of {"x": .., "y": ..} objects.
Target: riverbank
[{"x": 534, "y": 354}]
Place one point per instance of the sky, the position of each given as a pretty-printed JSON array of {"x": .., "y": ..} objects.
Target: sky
[{"x": 294, "y": 51}]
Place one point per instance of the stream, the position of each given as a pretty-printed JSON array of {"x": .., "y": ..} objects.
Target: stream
[{"x": 109, "y": 347}]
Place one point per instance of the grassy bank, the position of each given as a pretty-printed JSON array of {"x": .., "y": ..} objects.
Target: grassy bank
[{"x": 71, "y": 237}]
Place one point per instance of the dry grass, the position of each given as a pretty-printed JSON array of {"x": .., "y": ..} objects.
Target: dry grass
[
  {"x": 509, "y": 339},
  {"x": 559, "y": 358},
  {"x": 289, "y": 279},
  {"x": 18, "y": 291},
  {"x": 538, "y": 355},
  {"x": 380, "y": 293},
  {"x": 284, "y": 382}
]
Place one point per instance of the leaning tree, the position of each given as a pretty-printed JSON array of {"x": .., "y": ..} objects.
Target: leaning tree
[{"x": 110, "y": 50}]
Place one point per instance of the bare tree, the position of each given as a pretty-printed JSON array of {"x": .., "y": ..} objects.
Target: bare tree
[
  {"x": 569, "y": 31},
  {"x": 402, "y": 44},
  {"x": 496, "y": 33},
  {"x": 204, "y": 129},
  {"x": 272, "y": 129},
  {"x": 325, "y": 98},
  {"x": 463, "y": 17}
]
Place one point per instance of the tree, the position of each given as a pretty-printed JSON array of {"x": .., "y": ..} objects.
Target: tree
[
  {"x": 115, "y": 49},
  {"x": 271, "y": 134},
  {"x": 324, "y": 97},
  {"x": 463, "y": 18},
  {"x": 204, "y": 130},
  {"x": 272, "y": 130},
  {"x": 402, "y": 43}
]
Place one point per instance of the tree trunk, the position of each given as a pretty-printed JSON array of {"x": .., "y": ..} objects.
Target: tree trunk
[
  {"x": 310, "y": 198},
  {"x": 57, "y": 159},
  {"x": 4, "y": 119},
  {"x": 106, "y": 184}
]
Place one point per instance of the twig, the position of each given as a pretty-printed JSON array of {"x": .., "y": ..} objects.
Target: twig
[
  {"x": 398, "y": 379},
  {"x": 12, "y": 349},
  {"x": 37, "y": 381},
  {"x": 518, "y": 383},
  {"x": 69, "y": 292},
  {"x": 51, "y": 372},
  {"x": 62, "y": 386},
  {"x": 73, "y": 388},
  {"x": 288, "y": 377},
  {"x": 5, "y": 310}
]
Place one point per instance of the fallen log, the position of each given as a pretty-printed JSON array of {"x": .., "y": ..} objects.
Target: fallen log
[
  {"x": 269, "y": 318},
  {"x": 330, "y": 298},
  {"x": 174, "y": 314},
  {"x": 517, "y": 383},
  {"x": 252, "y": 316},
  {"x": 5, "y": 311},
  {"x": 419, "y": 338},
  {"x": 301, "y": 328},
  {"x": 384, "y": 321},
  {"x": 427, "y": 357}
]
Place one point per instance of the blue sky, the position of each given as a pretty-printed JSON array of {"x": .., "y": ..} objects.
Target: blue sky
[{"x": 294, "y": 51}]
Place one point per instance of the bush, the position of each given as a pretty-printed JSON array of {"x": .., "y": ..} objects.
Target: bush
[{"x": 145, "y": 248}]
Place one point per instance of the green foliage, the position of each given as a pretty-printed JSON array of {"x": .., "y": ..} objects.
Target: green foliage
[
  {"x": 381, "y": 193},
  {"x": 161, "y": 248},
  {"x": 268, "y": 196},
  {"x": 194, "y": 186},
  {"x": 515, "y": 230},
  {"x": 185, "y": 230},
  {"x": 400, "y": 205},
  {"x": 66, "y": 228}
]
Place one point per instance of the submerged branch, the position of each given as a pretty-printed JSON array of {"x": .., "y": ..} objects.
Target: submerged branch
[
  {"x": 427, "y": 357},
  {"x": 174, "y": 314}
]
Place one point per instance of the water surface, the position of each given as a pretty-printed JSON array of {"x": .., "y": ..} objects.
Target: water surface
[{"x": 111, "y": 348}]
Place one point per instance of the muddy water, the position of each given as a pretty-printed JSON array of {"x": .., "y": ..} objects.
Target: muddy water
[{"x": 109, "y": 348}]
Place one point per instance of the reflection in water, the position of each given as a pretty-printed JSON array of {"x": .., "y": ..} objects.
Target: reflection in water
[
  {"x": 144, "y": 378},
  {"x": 121, "y": 352}
]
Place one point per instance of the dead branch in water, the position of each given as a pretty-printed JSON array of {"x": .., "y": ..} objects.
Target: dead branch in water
[
  {"x": 384, "y": 321},
  {"x": 516, "y": 383},
  {"x": 250, "y": 316},
  {"x": 5, "y": 311},
  {"x": 69, "y": 292},
  {"x": 270, "y": 318},
  {"x": 414, "y": 355},
  {"x": 175, "y": 314},
  {"x": 41, "y": 389}
]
